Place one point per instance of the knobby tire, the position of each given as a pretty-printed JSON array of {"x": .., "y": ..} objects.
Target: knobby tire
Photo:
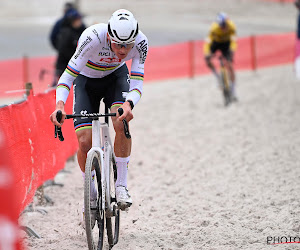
[{"x": 93, "y": 161}]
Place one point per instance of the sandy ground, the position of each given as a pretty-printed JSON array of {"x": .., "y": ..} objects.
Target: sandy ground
[{"x": 202, "y": 176}]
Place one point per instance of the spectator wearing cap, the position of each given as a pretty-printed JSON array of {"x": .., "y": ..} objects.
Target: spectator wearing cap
[
  {"x": 56, "y": 28},
  {"x": 67, "y": 39}
]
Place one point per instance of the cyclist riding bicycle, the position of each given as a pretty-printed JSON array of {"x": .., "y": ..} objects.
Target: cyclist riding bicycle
[
  {"x": 98, "y": 70},
  {"x": 222, "y": 38}
]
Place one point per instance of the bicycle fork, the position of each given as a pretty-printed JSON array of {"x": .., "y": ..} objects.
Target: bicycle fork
[{"x": 107, "y": 149}]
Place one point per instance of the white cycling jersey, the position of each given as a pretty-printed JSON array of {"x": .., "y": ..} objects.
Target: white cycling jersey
[{"x": 94, "y": 58}]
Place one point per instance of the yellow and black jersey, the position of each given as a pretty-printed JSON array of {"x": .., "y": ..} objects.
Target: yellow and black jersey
[{"x": 219, "y": 35}]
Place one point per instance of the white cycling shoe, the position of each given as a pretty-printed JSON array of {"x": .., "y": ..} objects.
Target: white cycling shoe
[
  {"x": 123, "y": 198},
  {"x": 93, "y": 205}
]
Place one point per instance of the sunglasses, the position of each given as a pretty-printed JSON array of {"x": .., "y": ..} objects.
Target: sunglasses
[{"x": 121, "y": 45}]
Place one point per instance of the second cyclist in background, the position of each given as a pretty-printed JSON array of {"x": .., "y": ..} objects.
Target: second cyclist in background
[{"x": 221, "y": 38}]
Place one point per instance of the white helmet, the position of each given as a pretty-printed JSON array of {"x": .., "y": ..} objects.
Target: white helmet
[{"x": 122, "y": 27}]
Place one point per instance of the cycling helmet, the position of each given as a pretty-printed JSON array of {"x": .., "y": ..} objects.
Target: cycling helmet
[
  {"x": 221, "y": 19},
  {"x": 122, "y": 27}
]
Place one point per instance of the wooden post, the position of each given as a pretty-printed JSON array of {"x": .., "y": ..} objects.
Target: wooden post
[
  {"x": 25, "y": 69},
  {"x": 253, "y": 52},
  {"x": 191, "y": 59},
  {"x": 28, "y": 87}
]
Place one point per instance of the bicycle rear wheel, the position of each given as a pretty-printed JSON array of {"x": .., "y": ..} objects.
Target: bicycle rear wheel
[
  {"x": 93, "y": 212},
  {"x": 112, "y": 219}
]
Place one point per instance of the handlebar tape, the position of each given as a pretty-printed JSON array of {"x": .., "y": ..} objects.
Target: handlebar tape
[
  {"x": 125, "y": 123},
  {"x": 57, "y": 130}
]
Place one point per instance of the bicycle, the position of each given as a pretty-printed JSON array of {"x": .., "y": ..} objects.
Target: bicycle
[
  {"x": 101, "y": 158},
  {"x": 225, "y": 83}
]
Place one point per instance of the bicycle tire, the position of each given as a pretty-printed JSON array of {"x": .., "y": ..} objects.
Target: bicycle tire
[
  {"x": 113, "y": 222},
  {"x": 93, "y": 161}
]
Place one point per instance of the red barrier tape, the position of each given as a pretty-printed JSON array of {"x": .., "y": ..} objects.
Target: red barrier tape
[
  {"x": 35, "y": 155},
  {"x": 165, "y": 62}
]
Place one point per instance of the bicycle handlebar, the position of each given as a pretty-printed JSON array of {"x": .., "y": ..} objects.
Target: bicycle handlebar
[
  {"x": 93, "y": 115},
  {"x": 58, "y": 131}
]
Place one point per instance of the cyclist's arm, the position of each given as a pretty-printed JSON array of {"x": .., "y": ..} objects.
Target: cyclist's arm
[
  {"x": 137, "y": 71},
  {"x": 206, "y": 47},
  {"x": 76, "y": 64},
  {"x": 208, "y": 41}
]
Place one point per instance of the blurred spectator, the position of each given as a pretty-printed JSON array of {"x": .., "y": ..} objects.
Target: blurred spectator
[
  {"x": 71, "y": 29},
  {"x": 56, "y": 28},
  {"x": 65, "y": 38},
  {"x": 297, "y": 3}
]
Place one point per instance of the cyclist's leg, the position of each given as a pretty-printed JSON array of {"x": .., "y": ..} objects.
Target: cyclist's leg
[
  {"x": 229, "y": 58},
  {"x": 212, "y": 49},
  {"x": 229, "y": 61},
  {"x": 114, "y": 98},
  {"x": 228, "y": 55},
  {"x": 83, "y": 126},
  {"x": 84, "y": 102}
]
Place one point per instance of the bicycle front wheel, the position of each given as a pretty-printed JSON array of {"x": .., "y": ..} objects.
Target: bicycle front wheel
[
  {"x": 93, "y": 211},
  {"x": 113, "y": 219},
  {"x": 226, "y": 86}
]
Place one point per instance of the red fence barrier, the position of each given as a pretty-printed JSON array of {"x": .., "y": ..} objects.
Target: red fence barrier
[
  {"x": 9, "y": 231},
  {"x": 35, "y": 155},
  {"x": 165, "y": 62}
]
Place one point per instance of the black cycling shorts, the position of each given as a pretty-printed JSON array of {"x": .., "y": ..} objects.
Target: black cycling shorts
[
  {"x": 224, "y": 48},
  {"x": 88, "y": 92}
]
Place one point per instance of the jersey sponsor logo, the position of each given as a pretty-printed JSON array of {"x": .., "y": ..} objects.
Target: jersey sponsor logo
[
  {"x": 97, "y": 35},
  {"x": 128, "y": 79},
  {"x": 86, "y": 42},
  {"x": 83, "y": 112},
  {"x": 104, "y": 54},
  {"x": 110, "y": 60},
  {"x": 142, "y": 48},
  {"x": 86, "y": 51}
]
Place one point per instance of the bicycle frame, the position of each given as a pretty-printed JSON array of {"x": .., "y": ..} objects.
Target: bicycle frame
[
  {"x": 101, "y": 143},
  {"x": 101, "y": 149}
]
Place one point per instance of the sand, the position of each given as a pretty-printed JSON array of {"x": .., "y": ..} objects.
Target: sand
[{"x": 201, "y": 176}]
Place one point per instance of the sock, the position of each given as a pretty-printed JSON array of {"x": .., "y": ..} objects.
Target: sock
[
  {"x": 233, "y": 88},
  {"x": 122, "y": 169},
  {"x": 93, "y": 188}
]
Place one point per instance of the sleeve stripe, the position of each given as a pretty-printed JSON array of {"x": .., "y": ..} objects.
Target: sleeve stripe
[
  {"x": 137, "y": 76},
  {"x": 137, "y": 73},
  {"x": 72, "y": 71},
  {"x": 137, "y": 91},
  {"x": 63, "y": 85}
]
